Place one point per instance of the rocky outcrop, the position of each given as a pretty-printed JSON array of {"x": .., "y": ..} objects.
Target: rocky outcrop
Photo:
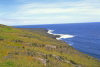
[{"x": 50, "y": 47}]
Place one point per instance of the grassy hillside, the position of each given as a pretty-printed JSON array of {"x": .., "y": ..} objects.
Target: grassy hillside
[{"x": 23, "y": 48}]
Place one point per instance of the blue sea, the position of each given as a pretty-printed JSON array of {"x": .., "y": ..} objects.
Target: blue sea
[{"x": 85, "y": 36}]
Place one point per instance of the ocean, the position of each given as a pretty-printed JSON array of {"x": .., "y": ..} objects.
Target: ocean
[{"x": 84, "y": 37}]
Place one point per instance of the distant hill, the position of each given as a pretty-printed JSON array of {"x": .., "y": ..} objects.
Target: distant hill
[{"x": 32, "y": 48}]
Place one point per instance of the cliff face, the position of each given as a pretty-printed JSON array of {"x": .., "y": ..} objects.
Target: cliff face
[{"x": 23, "y": 48}]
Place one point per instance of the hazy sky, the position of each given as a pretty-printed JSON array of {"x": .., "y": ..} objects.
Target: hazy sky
[{"x": 23, "y": 12}]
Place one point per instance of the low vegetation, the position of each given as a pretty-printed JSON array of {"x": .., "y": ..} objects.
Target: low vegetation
[{"x": 24, "y": 48}]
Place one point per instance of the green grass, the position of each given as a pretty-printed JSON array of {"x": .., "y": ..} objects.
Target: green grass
[{"x": 23, "y": 48}]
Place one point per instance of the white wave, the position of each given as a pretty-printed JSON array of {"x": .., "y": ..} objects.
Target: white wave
[
  {"x": 62, "y": 36},
  {"x": 50, "y": 31}
]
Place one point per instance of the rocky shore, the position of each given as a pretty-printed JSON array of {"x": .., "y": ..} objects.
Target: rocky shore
[{"x": 41, "y": 31}]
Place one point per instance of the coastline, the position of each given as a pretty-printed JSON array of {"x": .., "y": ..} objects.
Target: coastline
[
  {"x": 43, "y": 31},
  {"x": 50, "y": 33},
  {"x": 61, "y": 36}
]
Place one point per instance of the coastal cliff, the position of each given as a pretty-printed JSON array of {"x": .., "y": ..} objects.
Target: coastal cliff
[{"x": 36, "y": 48}]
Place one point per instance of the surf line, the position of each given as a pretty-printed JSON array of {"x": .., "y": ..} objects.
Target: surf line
[{"x": 62, "y": 36}]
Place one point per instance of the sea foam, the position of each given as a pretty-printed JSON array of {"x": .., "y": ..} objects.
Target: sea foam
[{"x": 62, "y": 36}]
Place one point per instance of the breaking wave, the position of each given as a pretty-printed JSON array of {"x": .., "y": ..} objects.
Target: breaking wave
[{"x": 62, "y": 36}]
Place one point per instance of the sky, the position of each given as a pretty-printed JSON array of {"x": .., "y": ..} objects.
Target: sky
[{"x": 30, "y": 12}]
